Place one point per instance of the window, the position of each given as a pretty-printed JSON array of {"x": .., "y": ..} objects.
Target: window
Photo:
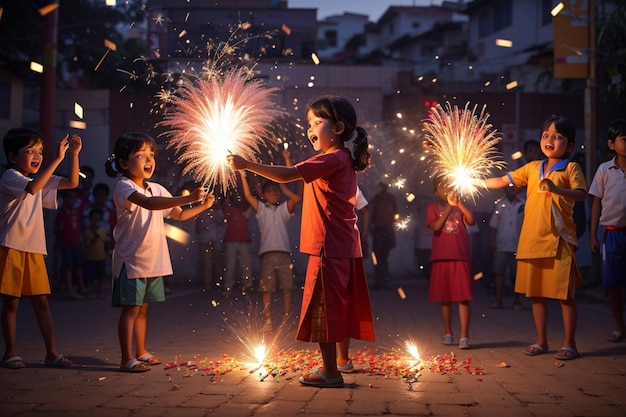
[
  {"x": 495, "y": 17},
  {"x": 502, "y": 15},
  {"x": 330, "y": 36},
  {"x": 546, "y": 9}
]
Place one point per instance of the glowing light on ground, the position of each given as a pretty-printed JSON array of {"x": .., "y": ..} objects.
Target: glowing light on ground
[{"x": 462, "y": 146}]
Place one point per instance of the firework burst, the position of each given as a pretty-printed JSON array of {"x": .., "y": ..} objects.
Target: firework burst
[
  {"x": 210, "y": 118},
  {"x": 462, "y": 145}
]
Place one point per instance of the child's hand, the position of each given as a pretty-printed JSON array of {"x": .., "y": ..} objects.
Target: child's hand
[
  {"x": 286, "y": 154},
  {"x": 63, "y": 146},
  {"x": 209, "y": 199},
  {"x": 546, "y": 185},
  {"x": 76, "y": 144},
  {"x": 453, "y": 198},
  {"x": 199, "y": 194},
  {"x": 236, "y": 162}
]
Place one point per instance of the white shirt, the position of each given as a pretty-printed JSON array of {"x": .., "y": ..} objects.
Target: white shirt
[
  {"x": 361, "y": 201},
  {"x": 507, "y": 219},
  {"x": 139, "y": 234},
  {"x": 609, "y": 185},
  {"x": 21, "y": 214},
  {"x": 273, "y": 227}
]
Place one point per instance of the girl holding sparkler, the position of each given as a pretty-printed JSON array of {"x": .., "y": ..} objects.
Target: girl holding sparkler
[
  {"x": 336, "y": 302},
  {"x": 141, "y": 256},
  {"x": 451, "y": 272},
  {"x": 546, "y": 266}
]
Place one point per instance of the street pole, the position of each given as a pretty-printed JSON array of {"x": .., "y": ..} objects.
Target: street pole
[
  {"x": 47, "y": 99},
  {"x": 590, "y": 98}
]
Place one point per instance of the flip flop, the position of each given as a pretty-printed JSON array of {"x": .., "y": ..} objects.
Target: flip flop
[
  {"x": 60, "y": 360},
  {"x": 149, "y": 359},
  {"x": 318, "y": 379},
  {"x": 566, "y": 353},
  {"x": 464, "y": 343},
  {"x": 535, "y": 349},
  {"x": 14, "y": 362},
  {"x": 348, "y": 368},
  {"x": 615, "y": 337},
  {"x": 135, "y": 366}
]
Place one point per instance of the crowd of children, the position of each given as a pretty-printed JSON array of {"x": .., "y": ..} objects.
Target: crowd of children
[{"x": 535, "y": 232}]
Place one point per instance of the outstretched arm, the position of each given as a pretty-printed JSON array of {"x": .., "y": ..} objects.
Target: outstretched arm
[
  {"x": 278, "y": 173},
  {"x": 495, "y": 182},
  {"x": 162, "y": 203},
  {"x": 182, "y": 214}
]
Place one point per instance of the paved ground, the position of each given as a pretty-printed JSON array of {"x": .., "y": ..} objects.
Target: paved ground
[{"x": 193, "y": 326}]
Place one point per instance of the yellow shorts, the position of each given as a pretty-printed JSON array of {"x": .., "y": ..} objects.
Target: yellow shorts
[{"x": 22, "y": 273}]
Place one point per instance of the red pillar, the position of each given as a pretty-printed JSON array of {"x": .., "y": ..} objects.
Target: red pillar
[{"x": 47, "y": 102}]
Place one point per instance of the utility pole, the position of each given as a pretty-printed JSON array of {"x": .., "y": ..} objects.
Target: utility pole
[
  {"x": 47, "y": 99},
  {"x": 590, "y": 98}
]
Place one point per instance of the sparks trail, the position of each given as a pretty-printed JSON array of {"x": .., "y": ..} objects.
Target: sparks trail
[
  {"x": 209, "y": 118},
  {"x": 461, "y": 145}
]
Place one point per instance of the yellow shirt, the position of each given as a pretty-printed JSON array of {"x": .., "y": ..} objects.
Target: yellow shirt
[
  {"x": 540, "y": 235},
  {"x": 94, "y": 248}
]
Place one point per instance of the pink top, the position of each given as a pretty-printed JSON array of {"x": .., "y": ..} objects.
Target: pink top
[
  {"x": 139, "y": 233},
  {"x": 21, "y": 214},
  {"x": 328, "y": 216},
  {"x": 451, "y": 243}
]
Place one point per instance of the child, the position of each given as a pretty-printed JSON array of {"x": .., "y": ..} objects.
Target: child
[
  {"x": 69, "y": 229},
  {"x": 546, "y": 266},
  {"x": 22, "y": 234},
  {"x": 95, "y": 240},
  {"x": 274, "y": 248},
  {"x": 141, "y": 256},
  {"x": 237, "y": 241},
  {"x": 609, "y": 210},
  {"x": 504, "y": 228},
  {"x": 336, "y": 302},
  {"x": 451, "y": 271}
]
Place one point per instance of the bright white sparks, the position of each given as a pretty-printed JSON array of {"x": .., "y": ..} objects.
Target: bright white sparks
[
  {"x": 260, "y": 352},
  {"x": 412, "y": 349},
  {"x": 462, "y": 145},
  {"x": 213, "y": 117}
]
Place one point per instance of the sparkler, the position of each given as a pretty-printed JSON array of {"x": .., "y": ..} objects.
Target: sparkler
[
  {"x": 462, "y": 145},
  {"x": 213, "y": 117}
]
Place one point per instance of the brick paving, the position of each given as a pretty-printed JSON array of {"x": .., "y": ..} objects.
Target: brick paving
[{"x": 196, "y": 325}]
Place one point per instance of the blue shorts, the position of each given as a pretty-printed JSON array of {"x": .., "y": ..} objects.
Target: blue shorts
[
  {"x": 136, "y": 291},
  {"x": 614, "y": 254}
]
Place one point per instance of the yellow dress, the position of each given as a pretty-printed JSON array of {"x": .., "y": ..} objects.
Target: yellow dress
[{"x": 546, "y": 264}]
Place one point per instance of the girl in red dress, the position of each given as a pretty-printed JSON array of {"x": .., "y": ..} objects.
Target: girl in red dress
[
  {"x": 451, "y": 273},
  {"x": 336, "y": 302}
]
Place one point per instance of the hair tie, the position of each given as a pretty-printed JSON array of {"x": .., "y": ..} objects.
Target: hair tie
[{"x": 356, "y": 127}]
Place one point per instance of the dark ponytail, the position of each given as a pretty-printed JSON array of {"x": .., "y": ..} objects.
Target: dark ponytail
[{"x": 360, "y": 150}]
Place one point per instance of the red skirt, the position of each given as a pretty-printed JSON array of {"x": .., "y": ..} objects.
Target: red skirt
[
  {"x": 450, "y": 281},
  {"x": 336, "y": 302}
]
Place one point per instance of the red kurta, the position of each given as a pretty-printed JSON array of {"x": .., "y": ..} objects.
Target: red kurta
[{"x": 338, "y": 306}]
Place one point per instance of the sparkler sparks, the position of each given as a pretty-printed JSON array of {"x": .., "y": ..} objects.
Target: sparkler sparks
[
  {"x": 462, "y": 145},
  {"x": 211, "y": 118}
]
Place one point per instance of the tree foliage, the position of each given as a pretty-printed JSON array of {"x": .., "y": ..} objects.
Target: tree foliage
[
  {"x": 611, "y": 54},
  {"x": 83, "y": 26}
]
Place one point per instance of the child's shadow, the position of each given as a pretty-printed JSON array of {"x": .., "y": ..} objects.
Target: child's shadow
[{"x": 83, "y": 363}]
